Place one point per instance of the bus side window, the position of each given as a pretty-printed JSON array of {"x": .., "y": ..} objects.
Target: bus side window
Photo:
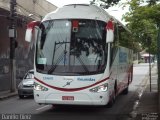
[{"x": 114, "y": 46}]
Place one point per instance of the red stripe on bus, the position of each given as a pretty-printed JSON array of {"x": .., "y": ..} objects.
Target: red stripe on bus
[{"x": 71, "y": 89}]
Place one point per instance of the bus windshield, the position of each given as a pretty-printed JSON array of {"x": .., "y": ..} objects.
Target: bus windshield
[{"x": 71, "y": 47}]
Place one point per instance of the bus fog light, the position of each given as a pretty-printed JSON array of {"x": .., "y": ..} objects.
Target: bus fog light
[
  {"x": 101, "y": 88},
  {"x": 39, "y": 87}
]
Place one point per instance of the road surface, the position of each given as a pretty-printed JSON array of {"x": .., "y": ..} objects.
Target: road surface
[{"x": 122, "y": 109}]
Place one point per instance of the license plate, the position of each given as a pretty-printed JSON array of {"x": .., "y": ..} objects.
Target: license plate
[{"x": 67, "y": 97}]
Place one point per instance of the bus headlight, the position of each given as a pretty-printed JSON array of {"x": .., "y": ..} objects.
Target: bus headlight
[
  {"x": 39, "y": 87},
  {"x": 101, "y": 88}
]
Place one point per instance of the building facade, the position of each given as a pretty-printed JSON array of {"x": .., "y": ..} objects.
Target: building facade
[{"x": 26, "y": 11}]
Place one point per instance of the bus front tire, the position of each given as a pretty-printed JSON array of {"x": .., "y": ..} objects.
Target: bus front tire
[{"x": 112, "y": 101}]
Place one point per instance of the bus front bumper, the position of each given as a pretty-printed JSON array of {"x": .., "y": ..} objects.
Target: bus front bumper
[{"x": 72, "y": 98}]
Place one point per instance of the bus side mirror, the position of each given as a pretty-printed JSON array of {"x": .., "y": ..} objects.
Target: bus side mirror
[
  {"x": 110, "y": 32},
  {"x": 30, "y": 30}
]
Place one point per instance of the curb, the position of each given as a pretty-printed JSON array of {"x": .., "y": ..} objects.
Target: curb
[{"x": 8, "y": 95}]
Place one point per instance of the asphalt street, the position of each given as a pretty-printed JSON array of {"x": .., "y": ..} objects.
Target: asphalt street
[{"x": 122, "y": 109}]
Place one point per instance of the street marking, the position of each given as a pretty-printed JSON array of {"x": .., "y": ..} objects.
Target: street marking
[{"x": 42, "y": 107}]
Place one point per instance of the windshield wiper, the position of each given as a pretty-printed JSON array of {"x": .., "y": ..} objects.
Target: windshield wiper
[
  {"x": 83, "y": 65},
  {"x": 63, "y": 55},
  {"x": 57, "y": 62}
]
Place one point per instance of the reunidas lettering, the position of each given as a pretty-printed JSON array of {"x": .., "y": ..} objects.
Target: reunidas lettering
[{"x": 85, "y": 79}]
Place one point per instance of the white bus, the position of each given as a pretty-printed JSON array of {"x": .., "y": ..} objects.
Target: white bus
[{"x": 78, "y": 60}]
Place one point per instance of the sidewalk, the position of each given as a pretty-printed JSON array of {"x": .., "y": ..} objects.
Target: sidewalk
[
  {"x": 147, "y": 108},
  {"x": 7, "y": 94}
]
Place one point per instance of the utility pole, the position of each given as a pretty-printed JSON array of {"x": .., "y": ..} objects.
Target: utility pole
[
  {"x": 12, "y": 36},
  {"x": 149, "y": 44},
  {"x": 158, "y": 64}
]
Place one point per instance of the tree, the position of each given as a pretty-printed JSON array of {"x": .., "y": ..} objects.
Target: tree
[
  {"x": 143, "y": 21},
  {"x": 126, "y": 39}
]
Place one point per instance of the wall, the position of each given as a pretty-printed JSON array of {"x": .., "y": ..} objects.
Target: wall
[
  {"x": 25, "y": 51},
  {"x": 38, "y": 8}
]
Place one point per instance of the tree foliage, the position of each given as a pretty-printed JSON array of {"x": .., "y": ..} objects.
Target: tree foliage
[
  {"x": 126, "y": 39},
  {"x": 152, "y": 2},
  {"x": 143, "y": 21}
]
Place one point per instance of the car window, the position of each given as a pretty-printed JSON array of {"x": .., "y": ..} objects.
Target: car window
[{"x": 29, "y": 75}]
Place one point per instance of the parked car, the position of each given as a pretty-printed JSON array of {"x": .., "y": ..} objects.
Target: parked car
[{"x": 25, "y": 87}]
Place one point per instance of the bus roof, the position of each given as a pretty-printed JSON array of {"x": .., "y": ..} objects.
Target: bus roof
[
  {"x": 79, "y": 11},
  {"x": 82, "y": 11}
]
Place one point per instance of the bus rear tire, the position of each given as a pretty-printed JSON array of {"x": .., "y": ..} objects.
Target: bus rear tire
[
  {"x": 112, "y": 101},
  {"x": 125, "y": 91}
]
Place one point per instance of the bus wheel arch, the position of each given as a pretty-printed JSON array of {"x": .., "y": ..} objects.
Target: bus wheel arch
[
  {"x": 113, "y": 97},
  {"x": 125, "y": 91}
]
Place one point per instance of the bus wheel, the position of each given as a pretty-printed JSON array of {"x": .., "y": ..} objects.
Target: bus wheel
[
  {"x": 125, "y": 91},
  {"x": 112, "y": 101}
]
